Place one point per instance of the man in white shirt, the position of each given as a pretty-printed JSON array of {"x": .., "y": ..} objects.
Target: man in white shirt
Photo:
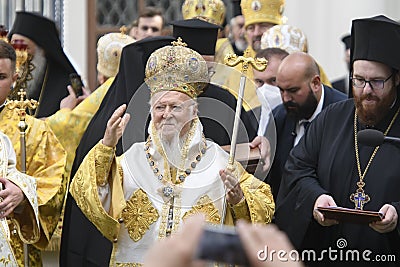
[{"x": 303, "y": 97}]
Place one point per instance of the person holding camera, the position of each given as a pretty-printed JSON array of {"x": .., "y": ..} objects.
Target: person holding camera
[{"x": 252, "y": 237}]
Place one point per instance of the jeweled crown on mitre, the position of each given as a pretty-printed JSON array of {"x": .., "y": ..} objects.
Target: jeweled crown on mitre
[
  {"x": 212, "y": 11},
  {"x": 176, "y": 68},
  {"x": 259, "y": 11},
  {"x": 286, "y": 37}
]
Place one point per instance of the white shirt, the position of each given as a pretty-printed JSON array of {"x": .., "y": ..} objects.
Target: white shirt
[{"x": 269, "y": 97}]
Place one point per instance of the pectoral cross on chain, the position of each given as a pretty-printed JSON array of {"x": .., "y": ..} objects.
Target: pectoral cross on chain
[{"x": 359, "y": 198}]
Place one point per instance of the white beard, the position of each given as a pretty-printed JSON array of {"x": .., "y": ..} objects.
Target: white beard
[
  {"x": 173, "y": 149},
  {"x": 34, "y": 85},
  {"x": 241, "y": 44}
]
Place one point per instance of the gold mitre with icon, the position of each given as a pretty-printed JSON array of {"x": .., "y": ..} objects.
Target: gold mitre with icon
[
  {"x": 109, "y": 49},
  {"x": 176, "y": 68},
  {"x": 212, "y": 11},
  {"x": 260, "y": 11},
  {"x": 286, "y": 37}
]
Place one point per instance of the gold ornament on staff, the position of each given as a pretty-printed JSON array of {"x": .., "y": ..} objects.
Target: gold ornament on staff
[
  {"x": 21, "y": 49},
  {"x": 123, "y": 30},
  {"x": 21, "y": 106},
  {"x": 24, "y": 68},
  {"x": 232, "y": 60}
]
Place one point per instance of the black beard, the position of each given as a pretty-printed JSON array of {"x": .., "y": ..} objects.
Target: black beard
[{"x": 304, "y": 111}]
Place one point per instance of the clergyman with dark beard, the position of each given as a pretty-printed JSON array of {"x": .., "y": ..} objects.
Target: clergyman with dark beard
[
  {"x": 329, "y": 167},
  {"x": 303, "y": 98}
]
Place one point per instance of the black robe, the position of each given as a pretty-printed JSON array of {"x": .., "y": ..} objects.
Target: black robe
[
  {"x": 44, "y": 33},
  {"x": 324, "y": 163},
  {"x": 217, "y": 113},
  {"x": 286, "y": 134}
]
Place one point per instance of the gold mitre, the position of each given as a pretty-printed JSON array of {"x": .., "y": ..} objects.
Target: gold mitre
[
  {"x": 286, "y": 37},
  {"x": 109, "y": 49},
  {"x": 212, "y": 11},
  {"x": 176, "y": 68},
  {"x": 259, "y": 11}
]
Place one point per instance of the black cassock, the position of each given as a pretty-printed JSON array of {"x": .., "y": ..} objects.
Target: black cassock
[
  {"x": 324, "y": 162},
  {"x": 44, "y": 33}
]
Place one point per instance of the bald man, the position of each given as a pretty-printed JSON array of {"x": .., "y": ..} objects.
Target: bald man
[{"x": 303, "y": 98}]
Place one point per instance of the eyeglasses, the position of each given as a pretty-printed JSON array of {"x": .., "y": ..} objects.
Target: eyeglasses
[{"x": 375, "y": 84}]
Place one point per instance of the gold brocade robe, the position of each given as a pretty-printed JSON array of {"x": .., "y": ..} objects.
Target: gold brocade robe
[
  {"x": 222, "y": 48},
  {"x": 135, "y": 213},
  {"x": 45, "y": 160},
  {"x": 69, "y": 127}
]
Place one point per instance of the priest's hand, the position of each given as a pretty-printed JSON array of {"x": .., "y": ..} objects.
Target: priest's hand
[
  {"x": 324, "y": 201},
  {"x": 11, "y": 197},
  {"x": 265, "y": 151},
  {"x": 234, "y": 192},
  {"x": 116, "y": 126},
  {"x": 389, "y": 222},
  {"x": 71, "y": 101}
]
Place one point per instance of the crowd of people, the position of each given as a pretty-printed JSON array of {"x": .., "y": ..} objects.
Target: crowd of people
[{"x": 133, "y": 172}]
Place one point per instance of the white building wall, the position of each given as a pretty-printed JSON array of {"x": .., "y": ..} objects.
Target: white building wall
[
  {"x": 326, "y": 21},
  {"x": 75, "y": 35}
]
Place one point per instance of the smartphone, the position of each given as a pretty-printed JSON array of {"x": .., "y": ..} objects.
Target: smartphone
[
  {"x": 221, "y": 244},
  {"x": 76, "y": 84}
]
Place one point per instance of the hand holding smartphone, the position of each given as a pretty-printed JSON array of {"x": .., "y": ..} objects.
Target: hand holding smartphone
[
  {"x": 221, "y": 244},
  {"x": 76, "y": 84}
]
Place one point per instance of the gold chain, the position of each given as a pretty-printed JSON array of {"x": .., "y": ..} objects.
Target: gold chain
[{"x": 362, "y": 175}]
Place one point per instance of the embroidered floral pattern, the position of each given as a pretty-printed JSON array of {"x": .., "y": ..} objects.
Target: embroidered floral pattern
[
  {"x": 205, "y": 205},
  {"x": 128, "y": 264},
  {"x": 139, "y": 214}
]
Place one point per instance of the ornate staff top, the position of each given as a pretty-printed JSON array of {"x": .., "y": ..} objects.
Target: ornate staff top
[
  {"x": 123, "y": 29},
  {"x": 232, "y": 60},
  {"x": 21, "y": 105}
]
